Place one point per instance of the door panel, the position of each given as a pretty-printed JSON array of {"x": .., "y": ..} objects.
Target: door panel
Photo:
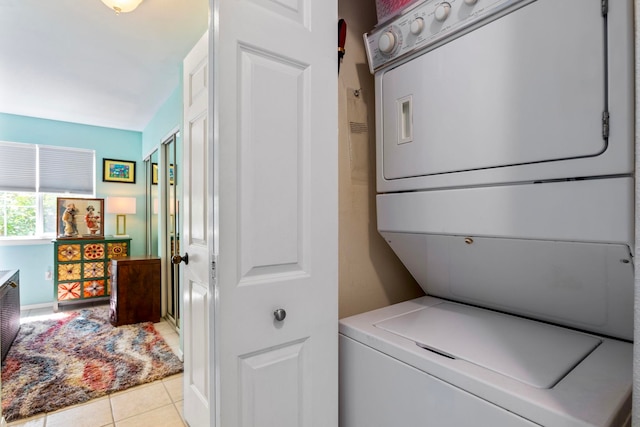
[
  {"x": 276, "y": 374},
  {"x": 198, "y": 209},
  {"x": 276, "y": 143},
  {"x": 199, "y": 392},
  {"x": 198, "y": 315},
  {"x": 272, "y": 166}
]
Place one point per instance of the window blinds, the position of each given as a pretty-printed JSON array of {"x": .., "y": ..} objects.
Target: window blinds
[
  {"x": 59, "y": 169},
  {"x": 17, "y": 167},
  {"x": 66, "y": 170}
]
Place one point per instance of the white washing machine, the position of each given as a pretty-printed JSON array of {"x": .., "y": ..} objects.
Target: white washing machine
[
  {"x": 431, "y": 362},
  {"x": 505, "y": 173}
]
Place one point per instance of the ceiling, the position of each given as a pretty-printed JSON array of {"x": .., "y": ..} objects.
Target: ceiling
[{"x": 77, "y": 61}]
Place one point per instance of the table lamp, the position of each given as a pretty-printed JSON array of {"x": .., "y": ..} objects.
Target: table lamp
[{"x": 121, "y": 206}]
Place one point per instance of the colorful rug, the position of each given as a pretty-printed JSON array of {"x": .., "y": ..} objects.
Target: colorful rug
[{"x": 57, "y": 363}]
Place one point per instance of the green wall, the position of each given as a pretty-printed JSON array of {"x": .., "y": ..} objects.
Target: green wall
[
  {"x": 167, "y": 119},
  {"x": 34, "y": 260}
]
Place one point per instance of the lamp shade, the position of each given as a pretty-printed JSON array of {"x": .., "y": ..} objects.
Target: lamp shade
[
  {"x": 122, "y": 6},
  {"x": 121, "y": 205}
]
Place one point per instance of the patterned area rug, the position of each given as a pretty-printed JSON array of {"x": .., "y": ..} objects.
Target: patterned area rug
[{"x": 57, "y": 363}]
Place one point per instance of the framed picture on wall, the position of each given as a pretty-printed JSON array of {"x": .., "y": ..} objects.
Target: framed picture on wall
[
  {"x": 119, "y": 171},
  {"x": 154, "y": 174},
  {"x": 80, "y": 218}
]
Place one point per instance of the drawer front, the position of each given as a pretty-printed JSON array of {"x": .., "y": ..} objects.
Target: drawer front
[{"x": 83, "y": 268}]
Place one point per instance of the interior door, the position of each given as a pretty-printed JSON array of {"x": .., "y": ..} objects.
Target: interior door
[
  {"x": 197, "y": 288},
  {"x": 260, "y": 217},
  {"x": 275, "y": 154}
]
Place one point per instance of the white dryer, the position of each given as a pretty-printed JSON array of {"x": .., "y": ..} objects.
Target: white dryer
[
  {"x": 506, "y": 186},
  {"x": 479, "y": 92}
]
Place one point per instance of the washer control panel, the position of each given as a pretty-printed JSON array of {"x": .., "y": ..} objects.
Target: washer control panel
[{"x": 428, "y": 23}]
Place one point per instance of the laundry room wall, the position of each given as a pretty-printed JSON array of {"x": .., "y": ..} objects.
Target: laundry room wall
[{"x": 371, "y": 276}]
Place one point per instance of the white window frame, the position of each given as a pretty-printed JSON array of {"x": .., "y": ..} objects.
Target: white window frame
[{"x": 40, "y": 235}]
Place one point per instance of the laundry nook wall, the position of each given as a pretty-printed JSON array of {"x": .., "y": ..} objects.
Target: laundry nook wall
[{"x": 371, "y": 276}]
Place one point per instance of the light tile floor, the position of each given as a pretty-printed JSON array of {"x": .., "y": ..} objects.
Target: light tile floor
[{"x": 149, "y": 405}]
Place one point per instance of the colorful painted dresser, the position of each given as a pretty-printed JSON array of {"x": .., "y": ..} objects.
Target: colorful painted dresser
[{"x": 82, "y": 268}]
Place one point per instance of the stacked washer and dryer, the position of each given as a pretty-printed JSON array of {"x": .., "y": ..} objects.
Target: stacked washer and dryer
[{"x": 505, "y": 178}]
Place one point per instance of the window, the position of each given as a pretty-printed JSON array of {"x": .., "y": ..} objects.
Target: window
[{"x": 32, "y": 177}]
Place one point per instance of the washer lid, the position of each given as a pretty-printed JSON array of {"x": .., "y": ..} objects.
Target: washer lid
[{"x": 531, "y": 352}]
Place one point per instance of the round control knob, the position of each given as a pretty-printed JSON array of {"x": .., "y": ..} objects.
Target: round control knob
[
  {"x": 442, "y": 11},
  {"x": 279, "y": 314},
  {"x": 417, "y": 26},
  {"x": 471, "y": 2},
  {"x": 387, "y": 42}
]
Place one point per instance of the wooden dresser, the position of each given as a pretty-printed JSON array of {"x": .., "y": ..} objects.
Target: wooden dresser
[{"x": 135, "y": 290}]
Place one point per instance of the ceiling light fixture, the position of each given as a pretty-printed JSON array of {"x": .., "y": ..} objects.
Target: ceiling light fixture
[{"x": 122, "y": 6}]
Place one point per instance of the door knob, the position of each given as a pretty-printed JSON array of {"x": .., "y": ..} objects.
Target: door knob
[
  {"x": 177, "y": 259},
  {"x": 280, "y": 314}
]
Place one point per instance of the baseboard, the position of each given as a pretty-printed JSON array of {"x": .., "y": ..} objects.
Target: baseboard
[
  {"x": 36, "y": 306},
  {"x": 3, "y": 422}
]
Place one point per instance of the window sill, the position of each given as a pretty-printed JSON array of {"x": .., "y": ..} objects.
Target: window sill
[{"x": 25, "y": 241}]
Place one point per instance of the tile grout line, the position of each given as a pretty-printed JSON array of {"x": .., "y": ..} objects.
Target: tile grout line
[{"x": 113, "y": 416}]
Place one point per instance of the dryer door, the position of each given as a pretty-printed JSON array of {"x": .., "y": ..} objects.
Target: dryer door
[{"x": 528, "y": 87}]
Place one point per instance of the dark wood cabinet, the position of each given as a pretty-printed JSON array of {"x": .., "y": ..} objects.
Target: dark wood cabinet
[
  {"x": 9, "y": 309},
  {"x": 135, "y": 290}
]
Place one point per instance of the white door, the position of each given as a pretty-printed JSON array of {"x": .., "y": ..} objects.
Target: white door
[
  {"x": 197, "y": 288},
  {"x": 271, "y": 214}
]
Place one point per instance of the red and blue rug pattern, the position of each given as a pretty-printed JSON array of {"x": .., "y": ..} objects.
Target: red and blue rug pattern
[{"x": 57, "y": 363}]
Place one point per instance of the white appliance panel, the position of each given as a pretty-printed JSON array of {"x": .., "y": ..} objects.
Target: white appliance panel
[
  {"x": 595, "y": 392},
  {"x": 381, "y": 391},
  {"x": 599, "y": 210},
  {"x": 534, "y": 353},
  {"x": 583, "y": 285},
  {"x": 528, "y": 87}
]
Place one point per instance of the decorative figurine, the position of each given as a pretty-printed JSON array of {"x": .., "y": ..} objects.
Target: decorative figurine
[
  {"x": 69, "y": 219},
  {"x": 92, "y": 220}
]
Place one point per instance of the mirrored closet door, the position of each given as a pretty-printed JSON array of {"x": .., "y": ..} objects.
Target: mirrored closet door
[{"x": 163, "y": 221}]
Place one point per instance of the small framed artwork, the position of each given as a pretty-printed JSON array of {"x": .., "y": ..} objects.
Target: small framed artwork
[
  {"x": 119, "y": 171},
  {"x": 80, "y": 218},
  {"x": 154, "y": 174}
]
